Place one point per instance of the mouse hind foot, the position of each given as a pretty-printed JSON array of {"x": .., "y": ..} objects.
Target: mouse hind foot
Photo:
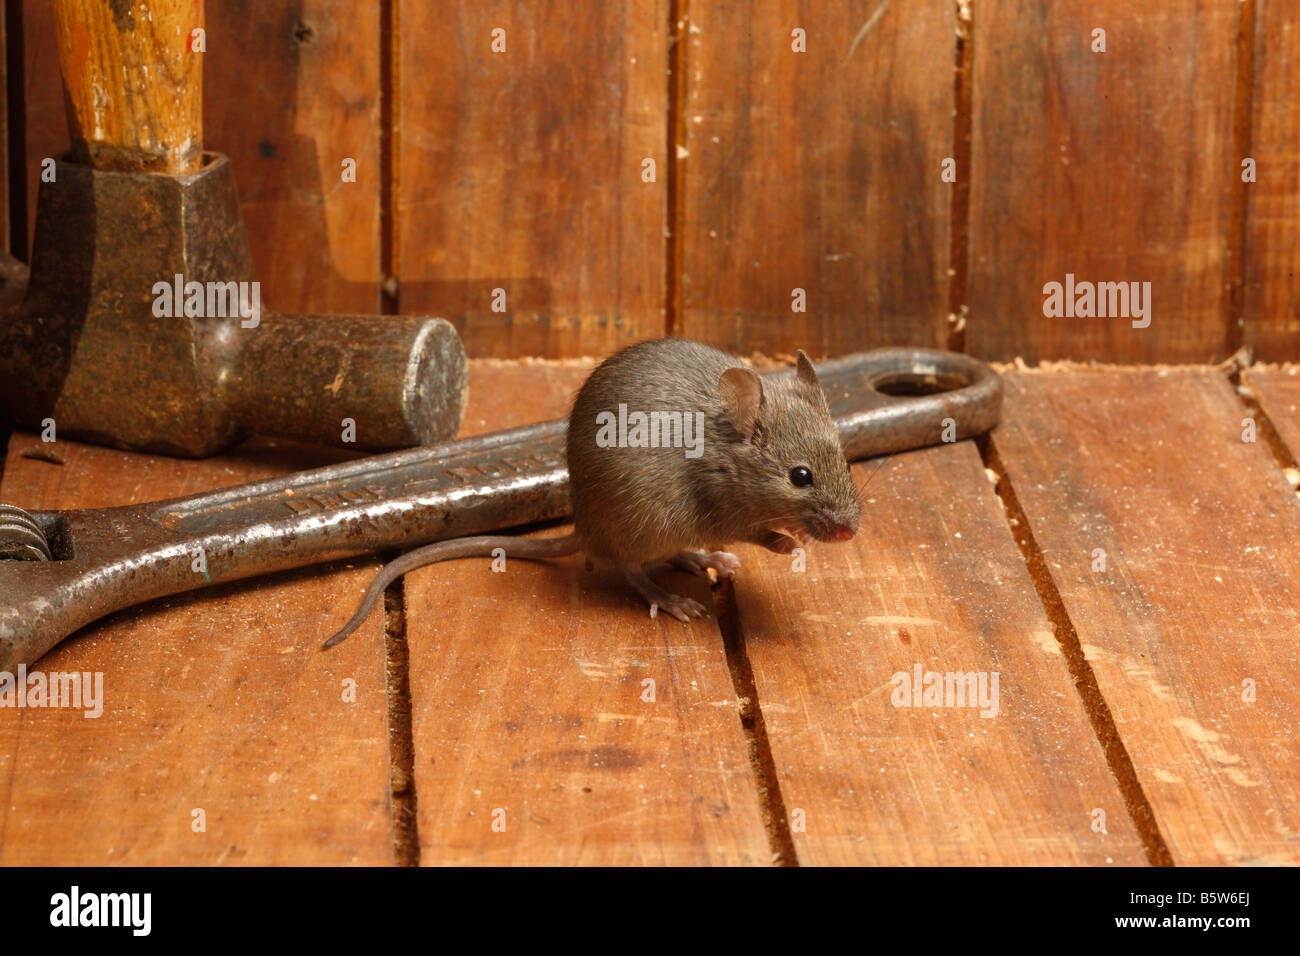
[{"x": 682, "y": 608}]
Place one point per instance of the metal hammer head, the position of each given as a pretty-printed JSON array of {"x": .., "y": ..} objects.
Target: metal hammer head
[{"x": 142, "y": 328}]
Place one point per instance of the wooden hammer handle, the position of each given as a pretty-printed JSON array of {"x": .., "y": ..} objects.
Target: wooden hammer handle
[{"x": 133, "y": 84}]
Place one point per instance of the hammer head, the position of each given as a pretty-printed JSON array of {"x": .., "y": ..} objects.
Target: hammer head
[{"x": 142, "y": 327}]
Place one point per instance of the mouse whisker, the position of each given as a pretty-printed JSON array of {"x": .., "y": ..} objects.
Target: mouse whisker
[{"x": 862, "y": 489}]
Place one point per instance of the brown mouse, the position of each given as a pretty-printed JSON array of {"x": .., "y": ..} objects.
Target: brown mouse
[{"x": 674, "y": 447}]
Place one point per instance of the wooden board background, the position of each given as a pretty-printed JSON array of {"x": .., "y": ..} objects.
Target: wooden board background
[
  {"x": 1272, "y": 281},
  {"x": 521, "y": 171},
  {"x": 1112, "y": 166},
  {"x": 819, "y": 170}
]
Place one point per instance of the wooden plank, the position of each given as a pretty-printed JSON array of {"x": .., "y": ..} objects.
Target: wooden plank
[
  {"x": 521, "y": 171},
  {"x": 526, "y": 695},
  {"x": 1111, "y": 167},
  {"x": 1200, "y": 593},
  {"x": 46, "y": 134},
  {"x": 1278, "y": 392},
  {"x": 819, "y": 171},
  {"x": 290, "y": 91},
  {"x": 1272, "y": 293},
  {"x": 934, "y": 580},
  {"x": 216, "y": 700}
]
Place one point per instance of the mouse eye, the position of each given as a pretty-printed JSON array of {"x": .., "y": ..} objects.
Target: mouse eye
[{"x": 800, "y": 477}]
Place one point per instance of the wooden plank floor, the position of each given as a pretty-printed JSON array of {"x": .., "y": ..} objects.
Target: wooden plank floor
[
  {"x": 1172, "y": 545},
  {"x": 527, "y": 697},
  {"x": 1116, "y": 555},
  {"x": 217, "y": 711},
  {"x": 934, "y": 578}
]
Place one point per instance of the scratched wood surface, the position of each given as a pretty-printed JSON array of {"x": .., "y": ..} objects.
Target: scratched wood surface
[
  {"x": 521, "y": 171},
  {"x": 215, "y": 701},
  {"x": 817, "y": 171},
  {"x": 528, "y": 698},
  {"x": 933, "y": 579},
  {"x": 1114, "y": 166},
  {"x": 1190, "y": 623},
  {"x": 1272, "y": 280}
]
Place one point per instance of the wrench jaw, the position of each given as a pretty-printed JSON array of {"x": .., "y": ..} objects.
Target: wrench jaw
[
  {"x": 40, "y": 599},
  {"x": 45, "y": 601}
]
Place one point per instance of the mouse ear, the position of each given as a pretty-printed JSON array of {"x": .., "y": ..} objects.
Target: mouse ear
[
  {"x": 807, "y": 376},
  {"x": 742, "y": 399}
]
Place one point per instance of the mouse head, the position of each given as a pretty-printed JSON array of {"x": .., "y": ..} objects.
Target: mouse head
[{"x": 791, "y": 458}]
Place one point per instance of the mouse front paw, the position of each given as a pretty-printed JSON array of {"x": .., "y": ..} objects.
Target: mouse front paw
[{"x": 724, "y": 563}]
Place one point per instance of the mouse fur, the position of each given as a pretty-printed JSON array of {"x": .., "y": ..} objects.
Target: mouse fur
[{"x": 635, "y": 508}]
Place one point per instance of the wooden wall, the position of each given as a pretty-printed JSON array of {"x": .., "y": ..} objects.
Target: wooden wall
[{"x": 775, "y": 170}]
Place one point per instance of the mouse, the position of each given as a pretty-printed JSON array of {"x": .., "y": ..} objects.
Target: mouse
[{"x": 676, "y": 449}]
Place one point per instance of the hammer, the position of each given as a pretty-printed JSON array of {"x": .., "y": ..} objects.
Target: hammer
[{"x": 140, "y": 325}]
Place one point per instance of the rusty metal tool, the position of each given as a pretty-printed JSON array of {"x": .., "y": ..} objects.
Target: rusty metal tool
[
  {"x": 96, "y": 337},
  {"x": 69, "y": 568}
]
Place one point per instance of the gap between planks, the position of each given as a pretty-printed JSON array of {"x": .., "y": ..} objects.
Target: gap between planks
[
  {"x": 401, "y": 739},
  {"x": 389, "y": 78},
  {"x": 1282, "y": 453},
  {"x": 1239, "y": 214},
  {"x": 678, "y": 15},
  {"x": 15, "y": 134},
  {"x": 397, "y": 662},
  {"x": 1085, "y": 681},
  {"x": 959, "y": 207},
  {"x": 750, "y": 711}
]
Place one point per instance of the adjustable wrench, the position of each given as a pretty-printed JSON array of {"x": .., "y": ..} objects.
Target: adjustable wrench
[{"x": 68, "y": 568}]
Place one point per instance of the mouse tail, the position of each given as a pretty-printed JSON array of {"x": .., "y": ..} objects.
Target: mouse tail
[{"x": 482, "y": 546}]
